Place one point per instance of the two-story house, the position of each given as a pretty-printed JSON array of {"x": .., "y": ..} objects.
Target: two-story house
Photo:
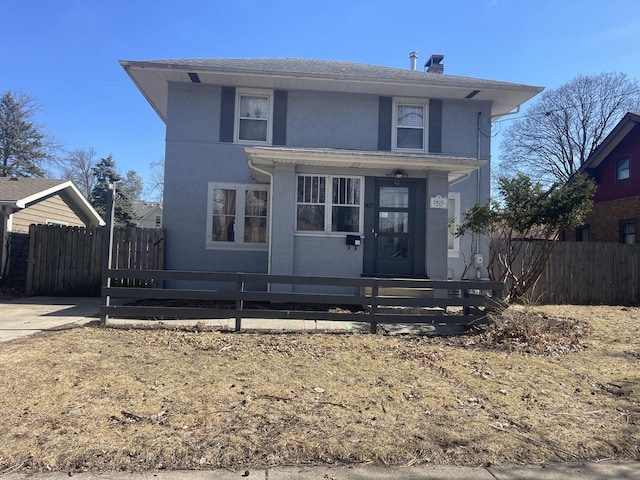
[
  {"x": 319, "y": 167},
  {"x": 615, "y": 168}
]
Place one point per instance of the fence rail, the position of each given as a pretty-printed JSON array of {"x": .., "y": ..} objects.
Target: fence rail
[{"x": 247, "y": 296}]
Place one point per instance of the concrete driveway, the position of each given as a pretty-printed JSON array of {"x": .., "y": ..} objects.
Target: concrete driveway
[{"x": 25, "y": 316}]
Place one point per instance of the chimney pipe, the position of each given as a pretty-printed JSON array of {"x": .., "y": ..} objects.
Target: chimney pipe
[{"x": 413, "y": 60}]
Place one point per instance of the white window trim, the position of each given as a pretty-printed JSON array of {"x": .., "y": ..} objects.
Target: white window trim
[
  {"x": 236, "y": 124},
  {"x": 455, "y": 251},
  {"x": 56, "y": 222},
  {"x": 425, "y": 124},
  {"x": 328, "y": 208},
  {"x": 237, "y": 244}
]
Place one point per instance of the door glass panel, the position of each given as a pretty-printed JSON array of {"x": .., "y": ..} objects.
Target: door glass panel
[
  {"x": 392, "y": 247},
  {"x": 394, "y": 197},
  {"x": 393, "y": 222}
]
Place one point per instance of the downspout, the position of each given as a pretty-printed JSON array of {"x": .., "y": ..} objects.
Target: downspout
[
  {"x": 477, "y": 239},
  {"x": 270, "y": 225}
]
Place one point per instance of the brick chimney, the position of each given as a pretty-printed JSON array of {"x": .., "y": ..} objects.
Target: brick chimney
[{"x": 434, "y": 64}]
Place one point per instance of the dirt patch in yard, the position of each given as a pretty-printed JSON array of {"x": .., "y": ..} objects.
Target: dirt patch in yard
[{"x": 544, "y": 384}]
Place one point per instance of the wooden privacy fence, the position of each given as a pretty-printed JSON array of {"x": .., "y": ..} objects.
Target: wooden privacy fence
[
  {"x": 68, "y": 261},
  {"x": 589, "y": 273},
  {"x": 245, "y": 296}
]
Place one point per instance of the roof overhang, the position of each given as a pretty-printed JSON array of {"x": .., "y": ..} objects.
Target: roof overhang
[
  {"x": 380, "y": 163},
  {"x": 617, "y": 135},
  {"x": 152, "y": 79},
  {"x": 70, "y": 189}
]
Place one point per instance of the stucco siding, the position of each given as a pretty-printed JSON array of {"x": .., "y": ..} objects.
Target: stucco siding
[
  {"x": 195, "y": 157},
  {"x": 53, "y": 208},
  {"x": 332, "y": 120}
]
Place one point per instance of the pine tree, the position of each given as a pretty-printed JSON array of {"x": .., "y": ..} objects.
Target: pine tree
[
  {"x": 24, "y": 146},
  {"x": 105, "y": 173}
]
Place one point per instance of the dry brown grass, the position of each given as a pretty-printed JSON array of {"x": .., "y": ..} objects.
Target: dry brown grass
[{"x": 563, "y": 387}]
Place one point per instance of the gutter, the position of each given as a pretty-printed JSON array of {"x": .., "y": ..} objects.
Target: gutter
[{"x": 270, "y": 225}]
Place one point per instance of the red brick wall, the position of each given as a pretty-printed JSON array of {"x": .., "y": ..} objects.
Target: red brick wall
[{"x": 604, "y": 219}]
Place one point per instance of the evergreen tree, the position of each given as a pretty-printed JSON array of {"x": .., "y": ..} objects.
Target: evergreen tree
[
  {"x": 105, "y": 173},
  {"x": 24, "y": 146}
]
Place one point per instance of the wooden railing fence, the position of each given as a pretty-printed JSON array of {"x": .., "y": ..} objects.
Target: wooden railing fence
[
  {"x": 68, "y": 261},
  {"x": 246, "y": 296}
]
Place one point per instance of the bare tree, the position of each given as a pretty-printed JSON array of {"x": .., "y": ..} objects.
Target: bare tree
[
  {"x": 77, "y": 166},
  {"x": 566, "y": 125},
  {"x": 155, "y": 190}
]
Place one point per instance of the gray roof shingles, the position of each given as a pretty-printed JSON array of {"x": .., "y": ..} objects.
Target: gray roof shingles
[
  {"x": 13, "y": 190},
  {"x": 317, "y": 68}
]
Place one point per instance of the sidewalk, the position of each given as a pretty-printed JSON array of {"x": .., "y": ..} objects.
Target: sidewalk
[{"x": 582, "y": 471}]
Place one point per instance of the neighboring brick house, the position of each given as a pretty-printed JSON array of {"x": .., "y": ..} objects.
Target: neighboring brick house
[
  {"x": 320, "y": 167},
  {"x": 615, "y": 168}
]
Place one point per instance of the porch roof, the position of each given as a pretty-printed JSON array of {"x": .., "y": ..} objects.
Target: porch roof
[{"x": 383, "y": 162}]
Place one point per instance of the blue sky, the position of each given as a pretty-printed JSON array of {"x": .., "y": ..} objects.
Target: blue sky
[{"x": 65, "y": 52}]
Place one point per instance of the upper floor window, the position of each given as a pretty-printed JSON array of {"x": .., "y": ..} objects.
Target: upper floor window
[
  {"x": 329, "y": 204},
  {"x": 623, "y": 168},
  {"x": 409, "y": 120},
  {"x": 236, "y": 214},
  {"x": 253, "y": 116},
  {"x": 158, "y": 221}
]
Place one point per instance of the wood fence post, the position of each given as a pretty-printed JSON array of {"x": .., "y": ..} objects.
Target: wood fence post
[
  {"x": 373, "y": 328},
  {"x": 239, "y": 302}
]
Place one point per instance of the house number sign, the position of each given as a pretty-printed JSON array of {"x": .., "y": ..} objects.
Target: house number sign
[{"x": 438, "y": 202}]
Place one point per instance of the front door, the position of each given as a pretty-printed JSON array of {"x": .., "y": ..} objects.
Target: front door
[{"x": 395, "y": 228}]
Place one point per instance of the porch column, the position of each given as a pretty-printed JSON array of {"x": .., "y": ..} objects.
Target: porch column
[
  {"x": 437, "y": 226},
  {"x": 283, "y": 197}
]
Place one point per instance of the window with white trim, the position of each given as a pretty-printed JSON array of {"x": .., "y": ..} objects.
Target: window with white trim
[
  {"x": 158, "y": 221},
  {"x": 327, "y": 203},
  {"x": 254, "y": 113},
  {"x": 409, "y": 126},
  {"x": 237, "y": 215},
  {"x": 453, "y": 207}
]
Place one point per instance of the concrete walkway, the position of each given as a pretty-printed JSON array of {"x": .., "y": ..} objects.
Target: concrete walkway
[
  {"x": 582, "y": 471},
  {"x": 26, "y": 316}
]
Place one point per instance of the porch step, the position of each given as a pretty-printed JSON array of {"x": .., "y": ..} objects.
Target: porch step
[{"x": 400, "y": 292}]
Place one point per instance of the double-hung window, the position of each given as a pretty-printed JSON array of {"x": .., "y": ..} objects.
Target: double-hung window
[
  {"x": 409, "y": 120},
  {"x": 237, "y": 215},
  {"x": 254, "y": 109},
  {"x": 628, "y": 231},
  {"x": 328, "y": 203},
  {"x": 623, "y": 168}
]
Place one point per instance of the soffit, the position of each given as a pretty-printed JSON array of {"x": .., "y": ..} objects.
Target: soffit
[
  {"x": 152, "y": 79},
  {"x": 382, "y": 162}
]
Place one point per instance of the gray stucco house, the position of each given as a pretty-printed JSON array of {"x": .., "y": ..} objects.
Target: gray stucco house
[{"x": 318, "y": 167}]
